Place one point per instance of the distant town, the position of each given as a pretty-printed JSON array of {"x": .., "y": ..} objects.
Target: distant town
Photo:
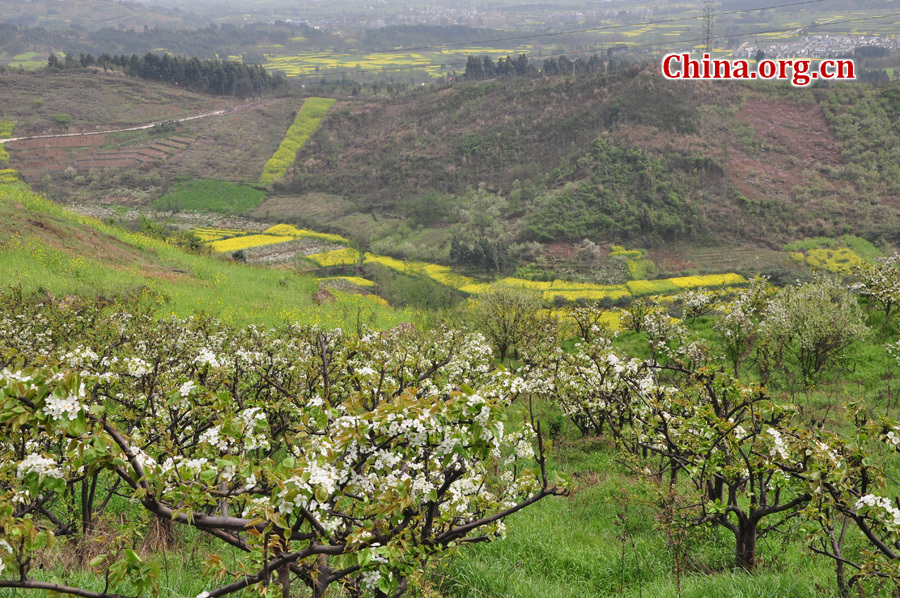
[{"x": 816, "y": 46}]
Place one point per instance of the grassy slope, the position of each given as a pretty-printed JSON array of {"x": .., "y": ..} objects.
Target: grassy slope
[
  {"x": 46, "y": 248},
  {"x": 605, "y": 541}
]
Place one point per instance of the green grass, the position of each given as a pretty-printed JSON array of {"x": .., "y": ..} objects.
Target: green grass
[
  {"x": 862, "y": 248},
  {"x": 211, "y": 196},
  {"x": 85, "y": 257},
  {"x": 575, "y": 547}
]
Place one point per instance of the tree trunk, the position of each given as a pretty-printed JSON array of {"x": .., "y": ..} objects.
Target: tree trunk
[
  {"x": 320, "y": 579},
  {"x": 837, "y": 547},
  {"x": 746, "y": 544},
  {"x": 284, "y": 580},
  {"x": 843, "y": 588}
]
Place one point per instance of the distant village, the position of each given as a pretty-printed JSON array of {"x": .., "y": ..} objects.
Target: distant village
[
  {"x": 474, "y": 17},
  {"x": 442, "y": 15},
  {"x": 816, "y": 46}
]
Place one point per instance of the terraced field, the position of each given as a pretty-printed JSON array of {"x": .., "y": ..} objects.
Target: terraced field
[
  {"x": 224, "y": 240},
  {"x": 836, "y": 256},
  {"x": 37, "y": 156},
  {"x": 551, "y": 290}
]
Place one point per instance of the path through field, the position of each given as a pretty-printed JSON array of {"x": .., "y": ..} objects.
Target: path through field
[{"x": 142, "y": 127}]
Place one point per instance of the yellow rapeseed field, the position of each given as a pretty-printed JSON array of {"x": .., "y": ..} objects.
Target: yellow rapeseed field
[
  {"x": 709, "y": 281},
  {"x": 293, "y": 231},
  {"x": 837, "y": 261},
  {"x": 246, "y": 242},
  {"x": 339, "y": 257},
  {"x": 305, "y": 124},
  {"x": 357, "y": 280}
]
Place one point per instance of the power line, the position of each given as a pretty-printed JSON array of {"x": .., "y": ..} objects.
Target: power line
[{"x": 634, "y": 47}]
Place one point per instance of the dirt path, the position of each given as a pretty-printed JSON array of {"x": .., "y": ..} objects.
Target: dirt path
[{"x": 140, "y": 128}]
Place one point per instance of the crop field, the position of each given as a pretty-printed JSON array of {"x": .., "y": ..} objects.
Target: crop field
[
  {"x": 434, "y": 63},
  {"x": 28, "y": 61},
  {"x": 8, "y": 175},
  {"x": 305, "y": 124},
  {"x": 210, "y": 196},
  {"x": 338, "y": 257},
  {"x": 568, "y": 290},
  {"x": 668, "y": 35},
  {"x": 836, "y": 256},
  {"x": 354, "y": 280},
  {"x": 636, "y": 260},
  {"x": 302, "y": 233},
  {"x": 247, "y": 242},
  {"x": 6, "y": 127}
]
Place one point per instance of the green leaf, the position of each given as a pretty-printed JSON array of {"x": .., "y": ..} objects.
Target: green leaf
[
  {"x": 131, "y": 557},
  {"x": 384, "y": 585}
]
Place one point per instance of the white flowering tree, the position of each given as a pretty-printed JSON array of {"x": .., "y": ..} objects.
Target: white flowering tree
[
  {"x": 880, "y": 282},
  {"x": 808, "y": 327},
  {"x": 739, "y": 325},
  {"x": 588, "y": 384},
  {"x": 850, "y": 486},
  {"x": 696, "y": 303},
  {"x": 322, "y": 457},
  {"x": 680, "y": 417},
  {"x": 731, "y": 442}
]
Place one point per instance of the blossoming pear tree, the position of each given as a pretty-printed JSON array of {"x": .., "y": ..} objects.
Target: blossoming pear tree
[{"x": 323, "y": 457}]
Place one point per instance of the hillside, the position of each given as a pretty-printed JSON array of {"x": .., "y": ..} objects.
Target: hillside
[
  {"x": 46, "y": 249},
  {"x": 751, "y": 164},
  {"x": 535, "y": 166}
]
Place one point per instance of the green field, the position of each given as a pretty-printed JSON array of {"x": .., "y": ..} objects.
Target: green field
[
  {"x": 210, "y": 196},
  {"x": 28, "y": 61}
]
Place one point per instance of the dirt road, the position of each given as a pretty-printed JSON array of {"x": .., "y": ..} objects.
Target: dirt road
[{"x": 142, "y": 127}]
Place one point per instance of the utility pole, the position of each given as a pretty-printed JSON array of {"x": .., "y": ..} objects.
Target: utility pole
[{"x": 707, "y": 25}]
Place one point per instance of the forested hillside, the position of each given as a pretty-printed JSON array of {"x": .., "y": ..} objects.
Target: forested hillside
[{"x": 625, "y": 156}]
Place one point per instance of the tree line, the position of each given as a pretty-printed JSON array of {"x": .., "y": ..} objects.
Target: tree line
[
  {"x": 219, "y": 77},
  {"x": 483, "y": 67}
]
